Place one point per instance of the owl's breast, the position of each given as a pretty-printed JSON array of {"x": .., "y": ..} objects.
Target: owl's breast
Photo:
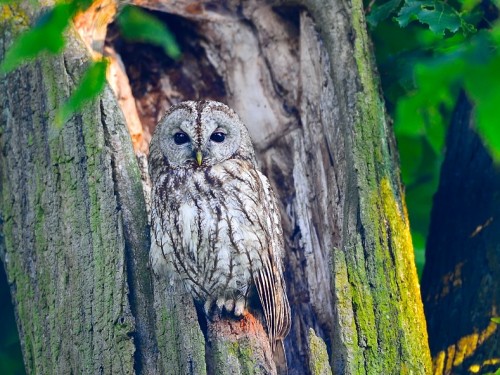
[{"x": 214, "y": 233}]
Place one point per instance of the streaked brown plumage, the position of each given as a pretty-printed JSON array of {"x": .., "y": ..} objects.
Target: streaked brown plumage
[{"x": 214, "y": 216}]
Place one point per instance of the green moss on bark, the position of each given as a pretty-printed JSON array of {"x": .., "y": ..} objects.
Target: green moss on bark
[
  {"x": 318, "y": 355},
  {"x": 234, "y": 357}
]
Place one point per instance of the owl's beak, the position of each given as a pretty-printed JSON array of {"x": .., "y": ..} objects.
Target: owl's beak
[{"x": 199, "y": 157}]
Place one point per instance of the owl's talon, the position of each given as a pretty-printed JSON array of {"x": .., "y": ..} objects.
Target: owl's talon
[
  {"x": 207, "y": 307},
  {"x": 229, "y": 305},
  {"x": 239, "y": 308},
  {"x": 220, "y": 303}
]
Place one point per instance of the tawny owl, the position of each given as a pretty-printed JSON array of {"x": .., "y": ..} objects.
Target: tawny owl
[{"x": 214, "y": 217}]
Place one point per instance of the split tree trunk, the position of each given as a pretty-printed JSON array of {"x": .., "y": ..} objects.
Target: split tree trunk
[
  {"x": 74, "y": 219},
  {"x": 460, "y": 283}
]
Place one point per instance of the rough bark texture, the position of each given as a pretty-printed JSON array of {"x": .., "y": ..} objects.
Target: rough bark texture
[
  {"x": 301, "y": 77},
  {"x": 73, "y": 221},
  {"x": 460, "y": 283}
]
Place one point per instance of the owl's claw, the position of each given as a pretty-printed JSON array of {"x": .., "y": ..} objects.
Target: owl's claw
[
  {"x": 226, "y": 304},
  {"x": 220, "y": 303},
  {"x": 239, "y": 307},
  {"x": 208, "y": 307},
  {"x": 229, "y": 305},
  {"x": 236, "y": 307}
]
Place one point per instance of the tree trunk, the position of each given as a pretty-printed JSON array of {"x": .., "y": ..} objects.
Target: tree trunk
[
  {"x": 460, "y": 283},
  {"x": 74, "y": 219},
  {"x": 75, "y": 229}
]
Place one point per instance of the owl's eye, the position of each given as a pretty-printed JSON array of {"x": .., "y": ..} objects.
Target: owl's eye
[
  {"x": 218, "y": 137},
  {"x": 180, "y": 138}
]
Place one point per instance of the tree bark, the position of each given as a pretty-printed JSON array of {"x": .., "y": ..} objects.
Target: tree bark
[
  {"x": 301, "y": 77},
  {"x": 460, "y": 282},
  {"x": 75, "y": 229}
]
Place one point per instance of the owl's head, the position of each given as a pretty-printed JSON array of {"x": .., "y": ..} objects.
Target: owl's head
[{"x": 199, "y": 134}]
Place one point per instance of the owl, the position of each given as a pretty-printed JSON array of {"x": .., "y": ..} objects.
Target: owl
[{"x": 215, "y": 220}]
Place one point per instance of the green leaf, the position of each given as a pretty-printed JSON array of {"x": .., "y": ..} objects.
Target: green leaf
[
  {"x": 410, "y": 155},
  {"x": 482, "y": 83},
  {"x": 46, "y": 35},
  {"x": 496, "y": 320},
  {"x": 91, "y": 85},
  {"x": 468, "y": 5},
  {"x": 137, "y": 25},
  {"x": 438, "y": 15},
  {"x": 435, "y": 129},
  {"x": 426, "y": 110},
  {"x": 495, "y": 34},
  {"x": 382, "y": 12},
  {"x": 409, "y": 121}
]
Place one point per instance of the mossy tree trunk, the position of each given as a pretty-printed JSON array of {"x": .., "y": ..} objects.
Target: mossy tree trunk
[
  {"x": 460, "y": 282},
  {"x": 301, "y": 77},
  {"x": 75, "y": 235}
]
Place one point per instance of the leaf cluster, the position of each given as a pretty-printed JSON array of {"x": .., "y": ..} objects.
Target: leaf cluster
[{"x": 428, "y": 51}]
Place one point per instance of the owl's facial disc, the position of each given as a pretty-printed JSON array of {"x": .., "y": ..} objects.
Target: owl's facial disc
[
  {"x": 220, "y": 135},
  {"x": 201, "y": 134}
]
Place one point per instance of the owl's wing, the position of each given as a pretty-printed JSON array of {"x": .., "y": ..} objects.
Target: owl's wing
[{"x": 269, "y": 280}]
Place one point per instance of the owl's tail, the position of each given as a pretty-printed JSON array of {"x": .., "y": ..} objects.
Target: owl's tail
[{"x": 271, "y": 288}]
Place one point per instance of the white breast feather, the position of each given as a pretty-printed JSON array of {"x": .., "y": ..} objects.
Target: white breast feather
[{"x": 188, "y": 215}]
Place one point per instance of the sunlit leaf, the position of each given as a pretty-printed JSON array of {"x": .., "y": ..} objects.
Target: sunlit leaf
[
  {"x": 483, "y": 86},
  {"x": 495, "y": 33},
  {"x": 435, "y": 129},
  {"x": 410, "y": 156},
  {"x": 496, "y": 319},
  {"x": 438, "y": 15},
  {"x": 409, "y": 121},
  {"x": 382, "y": 12},
  {"x": 91, "y": 85},
  {"x": 425, "y": 111},
  {"x": 137, "y": 25},
  {"x": 468, "y": 5},
  {"x": 46, "y": 35}
]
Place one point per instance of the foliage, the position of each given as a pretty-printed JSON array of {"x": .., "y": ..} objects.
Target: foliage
[
  {"x": 428, "y": 51},
  {"x": 45, "y": 35},
  {"x": 137, "y": 25},
  {"x": 48, "y": 35},
  {"x": 437, "y": 15}
]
